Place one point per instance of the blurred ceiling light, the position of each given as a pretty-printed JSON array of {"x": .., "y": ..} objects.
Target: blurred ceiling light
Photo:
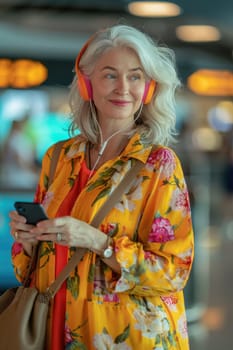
[
  {"x": 206, "y": 139},
  {"x": 197, "y": 33},
  {"x": 154, "y": 9},
  {"x": 220, "y": 118},
  {"x": 211, "y": 82}
]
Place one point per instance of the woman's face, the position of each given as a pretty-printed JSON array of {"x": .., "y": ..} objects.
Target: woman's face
[{"x": 118, "y": 83}]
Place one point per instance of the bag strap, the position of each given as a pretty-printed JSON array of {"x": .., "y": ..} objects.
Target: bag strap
[
  {"x": 54, "y": 160},
  {"x": 112, "y": 199}
]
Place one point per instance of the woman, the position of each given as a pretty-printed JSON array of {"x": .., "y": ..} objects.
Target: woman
[{"x": 133, "y": 299}]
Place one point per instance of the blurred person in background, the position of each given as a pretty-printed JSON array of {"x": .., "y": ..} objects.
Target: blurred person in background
[
  {"x": 122, "y": 101},
  {"x": 18, "y": 158}
]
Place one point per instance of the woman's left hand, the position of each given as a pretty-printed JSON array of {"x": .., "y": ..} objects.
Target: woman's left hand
[{"x": 69, "y": 231}]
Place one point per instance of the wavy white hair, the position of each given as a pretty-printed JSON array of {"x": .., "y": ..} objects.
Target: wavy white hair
[{"x": 157, "y": 119}]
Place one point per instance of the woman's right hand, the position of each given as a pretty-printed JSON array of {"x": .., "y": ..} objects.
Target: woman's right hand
[{"x": 20, "y": 231}]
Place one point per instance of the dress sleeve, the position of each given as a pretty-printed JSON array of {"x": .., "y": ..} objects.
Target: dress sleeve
[
  {"x": 160, "y": 261},
  {"x": 20, "y": 259},
  {"x": 43, "y": 183}
]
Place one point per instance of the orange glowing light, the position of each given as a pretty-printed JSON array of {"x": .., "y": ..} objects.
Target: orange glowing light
[
  {"x": 22, "y": 73},
  {"x": 211, "y": 82}
]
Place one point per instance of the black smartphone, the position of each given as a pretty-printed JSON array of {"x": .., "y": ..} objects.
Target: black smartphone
[{"x": 33, "y": 212}]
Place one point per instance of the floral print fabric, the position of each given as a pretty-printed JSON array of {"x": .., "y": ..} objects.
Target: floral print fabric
[{"x": 143, "y": 307}]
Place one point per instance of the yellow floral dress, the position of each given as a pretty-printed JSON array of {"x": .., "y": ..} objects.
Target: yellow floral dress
[{"x": 143, "y": 307}]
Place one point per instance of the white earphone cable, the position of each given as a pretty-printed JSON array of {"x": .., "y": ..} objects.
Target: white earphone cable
[{"x": 103, "y": 144}]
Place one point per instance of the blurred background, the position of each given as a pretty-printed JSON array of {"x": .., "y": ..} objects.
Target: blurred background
[{"x": 39, "y": 41}]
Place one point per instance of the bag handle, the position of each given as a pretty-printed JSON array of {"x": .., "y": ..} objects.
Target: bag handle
[{"x": 112, "y": 199}]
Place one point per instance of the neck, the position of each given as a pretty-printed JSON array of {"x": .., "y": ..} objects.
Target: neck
[
  {"x": 110, "y": 148},
  {"x": 111, "y": 128},
  {"x": 113, "y": 144}
]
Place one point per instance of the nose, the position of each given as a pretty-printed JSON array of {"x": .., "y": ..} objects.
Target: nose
[{"x": 122, "y": 86}]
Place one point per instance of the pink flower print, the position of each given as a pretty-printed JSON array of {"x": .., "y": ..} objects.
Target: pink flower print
[
  {"x": 68, "y": 336},
  {"x": 17, "y": 248},
  {"x": 180, "y": 201},
  {"x": 170, "y": 300},
  {"x": 162, "y": 230},
  {"x": 108, "y": 228},
  {"x": 111, "y": 298},
  {"x": 147, "y": 255},
  {"x": 163, "y": 159}
]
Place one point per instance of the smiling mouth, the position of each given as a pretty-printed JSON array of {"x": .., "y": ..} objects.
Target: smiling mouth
[{"x": 120, "y": 102}]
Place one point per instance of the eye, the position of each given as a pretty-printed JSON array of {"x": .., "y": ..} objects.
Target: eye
[
  {"x": 135, "y": 77},
  {"x": 110, "y": 76}
]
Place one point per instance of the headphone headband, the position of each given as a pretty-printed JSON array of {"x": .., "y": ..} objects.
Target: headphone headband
[{"x": 84, "y": 84}]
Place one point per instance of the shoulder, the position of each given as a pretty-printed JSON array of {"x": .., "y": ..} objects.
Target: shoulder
[
  {"x": 163, "y": 158},
  {"x": 162, "y": 154},
  {"x": 64, "y": 146}
]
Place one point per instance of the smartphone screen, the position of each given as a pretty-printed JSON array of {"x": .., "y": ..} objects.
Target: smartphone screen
[{"x": 33, "y": 212}]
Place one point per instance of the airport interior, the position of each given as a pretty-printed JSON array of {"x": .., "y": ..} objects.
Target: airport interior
[{"x": 39, "y": 41}]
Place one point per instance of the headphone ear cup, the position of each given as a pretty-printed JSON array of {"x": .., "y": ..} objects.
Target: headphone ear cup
[
  {"x": 84, "y": 87},
  {"x": 149, "y": 91}
]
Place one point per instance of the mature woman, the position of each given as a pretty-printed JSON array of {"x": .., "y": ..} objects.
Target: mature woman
[{"x": 122, "y": 101}]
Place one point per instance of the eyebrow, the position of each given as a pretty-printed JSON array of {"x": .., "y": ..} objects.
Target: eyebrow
[{"x": 131, "y": 70}]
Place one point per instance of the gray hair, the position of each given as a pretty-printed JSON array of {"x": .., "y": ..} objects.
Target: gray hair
[{"x": 158, "y": 118}]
